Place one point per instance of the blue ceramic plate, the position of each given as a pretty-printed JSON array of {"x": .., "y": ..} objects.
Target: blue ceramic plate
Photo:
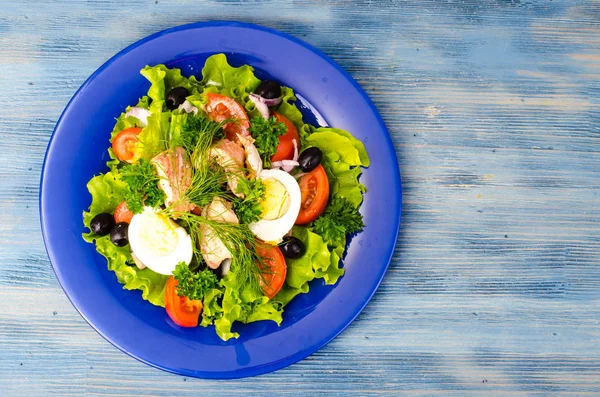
[{"x": 77, "y": 151}]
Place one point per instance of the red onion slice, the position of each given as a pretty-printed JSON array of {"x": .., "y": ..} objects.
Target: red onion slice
[
  {"x": 188, "y": 107},
  {"x": 300, "y": 175},
  {"x": 262, "y": 108},
  {"x": 139, "y": 113},
  {"x": 272, "y": 102},
  {"x": 286, "y": 165}
]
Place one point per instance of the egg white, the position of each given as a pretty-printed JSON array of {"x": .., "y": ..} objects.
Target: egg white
[
  {"x": 273, "y": 230},
  {"x": 158, "y": 242}
]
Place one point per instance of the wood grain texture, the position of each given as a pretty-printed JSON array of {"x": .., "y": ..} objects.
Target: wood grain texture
[{"x": 494, "y": 110}]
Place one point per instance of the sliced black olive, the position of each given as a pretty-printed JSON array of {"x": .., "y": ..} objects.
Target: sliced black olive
[
  {"x": 310, "y": 159},
  {"x": 292, "y": 247},
  {"x": 268, "y": 89},
  {"x": 176, "y": 97},
  {"x": 118, "y": 234},
  {"x": 101, "y": 224}
]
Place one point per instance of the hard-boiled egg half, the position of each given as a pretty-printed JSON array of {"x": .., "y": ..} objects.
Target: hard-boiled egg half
[
  {"x": 158, "y": 242},
  {"x": 281, "y": 205}
]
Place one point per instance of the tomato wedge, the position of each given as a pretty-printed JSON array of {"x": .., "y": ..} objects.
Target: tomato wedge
[
  {"x": 122, "y": 213},
  {"x": 274, "y": 276},
  {"x": 124, "y": 144},
  {"x": 221, "y": 108},
  {"x": 183, "y": 311},
  {"x": 285, "y": 149},
  {"x": 314, "y": 190}
]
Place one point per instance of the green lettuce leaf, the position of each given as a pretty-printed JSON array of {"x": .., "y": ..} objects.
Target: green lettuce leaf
[
  {"x": 121, "y": 124},
  {"x": 107, "y": 192},
  {"x": 288, "y": 108},
  {"x": 317, "y": 262},
  {"x": 242, "y": 304},
  {"x": 153, "y": 138},
  {"x": 163, "y": 79},
  {"x": 155, "y": 135},
  {"x": 329, "y": 141},
  {"x": 343, "y": 179},
  {"x": 342, "y": 157},
  {"x": 219, "y": 77},
  {"x": 237, "y": 83},
  {"x": 218, "y": 73},
  {"x": 358, "y": 145},
  {"x": 211, "y": 310}
]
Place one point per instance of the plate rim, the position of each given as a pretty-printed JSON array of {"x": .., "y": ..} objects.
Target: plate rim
[{"x": 293, "y": 358}]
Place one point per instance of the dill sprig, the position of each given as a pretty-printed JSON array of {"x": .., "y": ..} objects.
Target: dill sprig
[
  {"x": 196, "y": 132},
  {"x": 208, "y": 181},
  {"x": 196, "y": 136},
  {"x": 237, "y": 238}
]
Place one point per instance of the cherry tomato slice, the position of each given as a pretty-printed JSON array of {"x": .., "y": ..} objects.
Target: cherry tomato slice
[
  {"x": 314, "y": 189},
  {"x": 122, "y": 213},
  {"x": 274, "y": 276},
  {"x": 285, "y": 149},
  {"x": 124, "y": 144},
  {"x": 183, "y": 311},
  {"x": 221, "y": 108}
]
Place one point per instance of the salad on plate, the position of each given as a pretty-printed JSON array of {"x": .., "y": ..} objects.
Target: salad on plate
[{"x": 219, "y": 203}]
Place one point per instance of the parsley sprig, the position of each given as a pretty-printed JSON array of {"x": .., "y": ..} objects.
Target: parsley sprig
[
  {"x": 266, "y": 133},
  {"x": 193, "y": 285},
  {"x": 340, "y": 218},
  {"x": 249, "y": 208},
  {"x": 142, "y": 180}
]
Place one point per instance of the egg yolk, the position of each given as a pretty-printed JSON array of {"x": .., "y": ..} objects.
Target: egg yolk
[
  {"x": 276, "y": 201},
  {"x": 158, "y": 234}
]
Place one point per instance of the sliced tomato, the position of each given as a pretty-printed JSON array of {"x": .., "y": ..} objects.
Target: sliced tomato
[
  {"x": 122, "y": 213},
  {"x": 124, "y": 144},
  {"x": 314, "y": 189},
  {"x": 285, "y": 149},
  {"x": 275, "y": 268},
  {"x": 183, "y": 311},
  {"x": 221, "y": 108}
]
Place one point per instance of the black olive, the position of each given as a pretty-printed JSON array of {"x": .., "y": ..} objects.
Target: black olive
[
  {"x": 292, "y": 247},
  {"x": 102, "y": 223},
  {"x": 268, "y": 89},
  {"x": 118, "y": 234},
  {"x": 310, "y": 159},
  {"x": 176, "y": 97}
]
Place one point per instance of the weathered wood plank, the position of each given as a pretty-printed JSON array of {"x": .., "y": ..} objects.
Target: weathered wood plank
[{"x": 494, "y": 110}]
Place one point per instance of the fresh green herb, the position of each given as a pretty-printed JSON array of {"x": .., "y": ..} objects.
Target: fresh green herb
[
  {"x": 239, "y": 240},
  {"x": 193, "y": 285},
  {"x": 198, "y": 129},
  {"x": 249, "y": 208},
  {"x": 207, "y": 181},
  {"x": 340, "y": 218},
  {"x": 266, "y": 133},
  {"x": 196, "y": 136},
  {"x": 142, "y": 181}
]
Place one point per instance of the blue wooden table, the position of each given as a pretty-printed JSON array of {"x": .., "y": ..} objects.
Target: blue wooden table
[{"x": 494, "y": 110}]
